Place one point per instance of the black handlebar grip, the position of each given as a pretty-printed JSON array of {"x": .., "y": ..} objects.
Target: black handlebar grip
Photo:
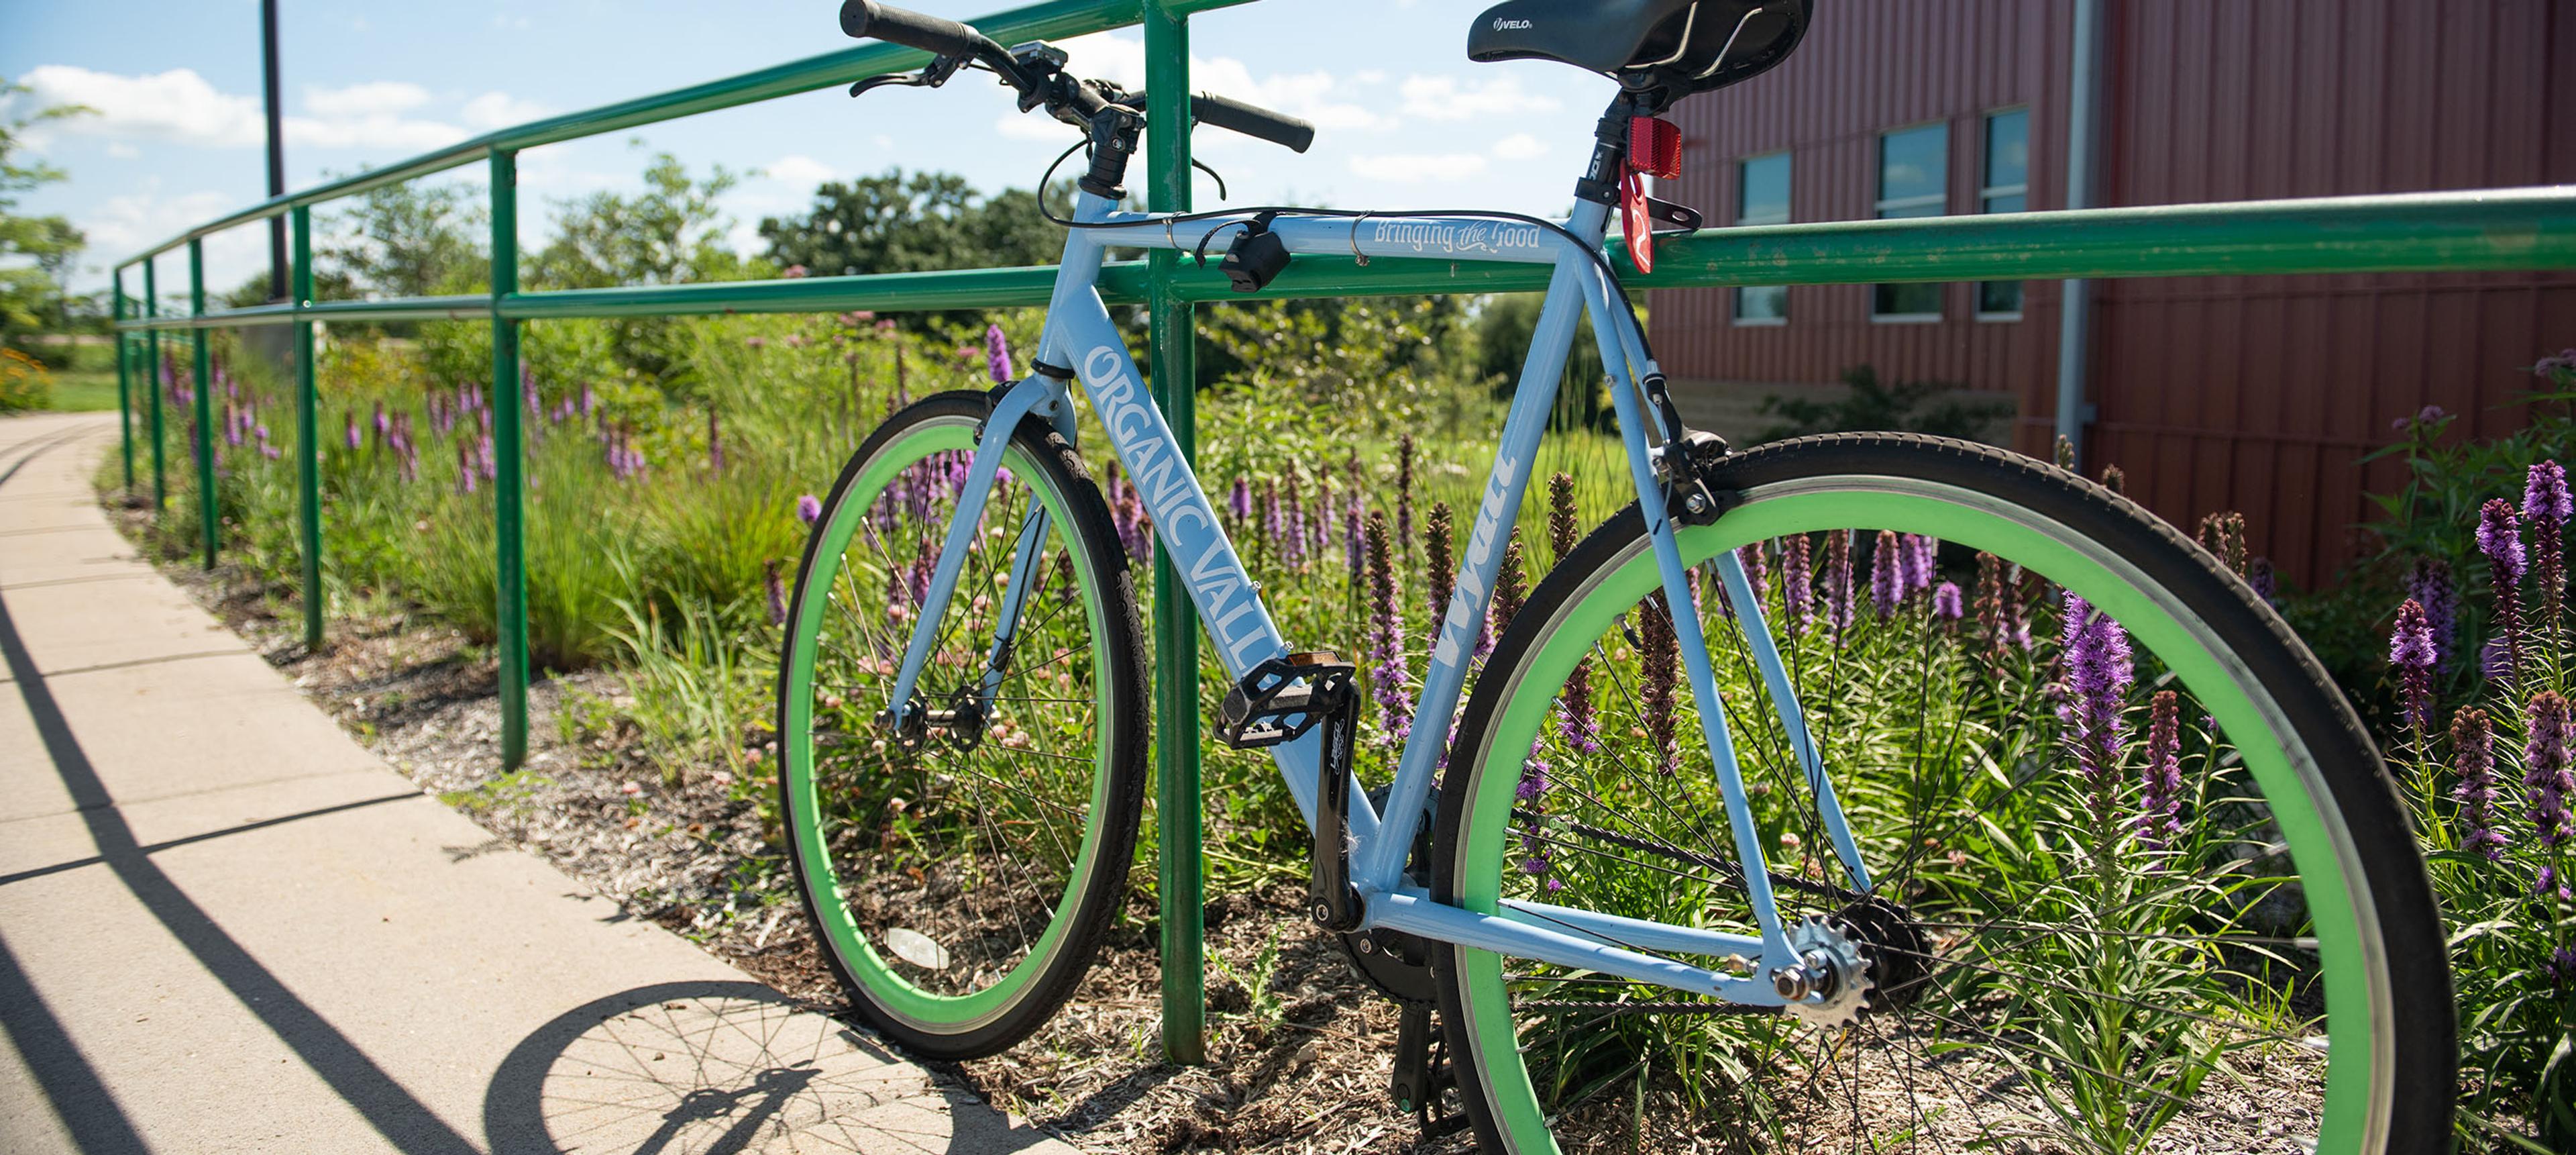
[
  {"x": 939, "y": 37},
  {"x": 1236, "y": 116}
]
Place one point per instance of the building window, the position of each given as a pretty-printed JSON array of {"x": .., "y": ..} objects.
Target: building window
[
  {"x": 1913, "y": 179},
  {"x": 2006, "y": 190},
  {"x": 1762, "y": 198}
]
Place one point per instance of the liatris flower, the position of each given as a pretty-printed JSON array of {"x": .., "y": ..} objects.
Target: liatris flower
[
  {"x": 2546, "y": 502},
  {"x": 491, "y": 462},
  {"x": 2115, "y": 480},
  {"x": 809, "y": 509},
  {"x": 1919, "y": 562},
  {"x": 2265, "y": 580},
  {"x": 1996, "y": 603},
  {"x": 2428, "y": 583},
  {"x": 465, "y": 468},
  {"x": 1575, "y": 717},
  {"x": 997, "y": 356},
  {"x": 777, "y": 594},
  {"x": 2160, "y": 800},
  {"x": 528, "y": 388},
  {"x": 2410, "y": 651},
  {"x": 1797, "y": 595},
  {"x": 1390, "y": 679},
  {"x": 1886, "y": 585},
  {"x": 2223, "y": 535},
  {"x": 715, "y": 442},
  {"x": 1404, "y": 492},
  {"x": 1658, "y": 652},
  {"x": 1292, "y": 522},
  {"x": 381, "y": 426},
  {"x": 1511, "y": 586},
  {"x": 1947, "y": 604},
  {"x": 2547, "y": 778},
  {"x": 351, "y": 417},
  {"x": 1441, "y": 560},
  {"x": 1239, "y": 502},
  {"x": 1838, "y": 581},
  {"x": 2065, "y": 452},
  {"x": 2473, "y": 760},
  {"x": 2097, "y": 672},
  {"x": 1757, "y": 570},
  {"x": 2500, "y": 539}
]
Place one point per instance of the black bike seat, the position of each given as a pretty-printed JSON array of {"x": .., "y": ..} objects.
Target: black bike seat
[{"x": 1679, "y": 40}]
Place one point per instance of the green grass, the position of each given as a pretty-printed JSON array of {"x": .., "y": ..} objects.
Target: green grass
[{"x": 83, "y": 391}]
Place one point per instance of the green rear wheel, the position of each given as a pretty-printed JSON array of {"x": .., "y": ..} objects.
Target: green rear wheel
[
  {"x": 959, "y": 873},
  {"x": 2136, "y": 868}
]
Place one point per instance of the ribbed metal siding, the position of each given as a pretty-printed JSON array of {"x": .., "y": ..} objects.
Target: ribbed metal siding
[{"x": 2253, "y": 393}]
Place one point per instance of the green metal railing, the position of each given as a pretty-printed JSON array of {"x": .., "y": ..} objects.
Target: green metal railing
[{"x": 2511, "y": 229}]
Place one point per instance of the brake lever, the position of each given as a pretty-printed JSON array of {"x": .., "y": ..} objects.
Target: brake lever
[{"x": 933, "y": 75}]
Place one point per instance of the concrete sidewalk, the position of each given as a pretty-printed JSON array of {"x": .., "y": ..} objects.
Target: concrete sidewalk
[{"x": 225, "y": 926}]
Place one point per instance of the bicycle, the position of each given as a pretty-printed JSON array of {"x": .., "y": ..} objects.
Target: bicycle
[{"x": 1992, "y": 915}]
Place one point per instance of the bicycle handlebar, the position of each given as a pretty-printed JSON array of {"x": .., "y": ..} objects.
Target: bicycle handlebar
[
  {"x": 935, "y": 35},
  {"x": 863, "y": 19},
  {"x": 1251, "y": 120}
]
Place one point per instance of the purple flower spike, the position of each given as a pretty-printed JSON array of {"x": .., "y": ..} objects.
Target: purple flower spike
[
  {"x": 2547, "y": 778},
  {"x": 809, "y": 509},
  {"x": 1797, "y": 594},
  {"x": 1838, "y": 580},
  {"x": 777, "y": 588},
  {"x": 2160, "y": 800},
  {"x": 2429, "y": 584},
  {"x": 2473, "y": 760},
  {"x": 2410, "y": 652},
  {"x": 1886, "y": 579},
  {"x": 1390, "y": 681},
  {"x": 1922, "y": 561},
  {"x": 2545, "y": 501},
  {"x": 997, "y": 356},
  {"x": 351, "y": 416},
  {"x": 1757, "y": 570},
  {"x": 1947, "y": 604},
  {"x": 1239, "y": 500},
  {"x": 2097, "y": 672},
  {"x": 2500, "y": 539}
]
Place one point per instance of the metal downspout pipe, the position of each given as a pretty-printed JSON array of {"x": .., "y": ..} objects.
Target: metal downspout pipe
[{"x": 2085, "y": 81}]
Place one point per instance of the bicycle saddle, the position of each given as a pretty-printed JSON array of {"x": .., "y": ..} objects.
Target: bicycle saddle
[{"x": 1686, "y": 45}]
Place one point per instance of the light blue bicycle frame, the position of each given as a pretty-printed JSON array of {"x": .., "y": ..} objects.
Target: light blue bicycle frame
[{"x": 1079, "y": 333}]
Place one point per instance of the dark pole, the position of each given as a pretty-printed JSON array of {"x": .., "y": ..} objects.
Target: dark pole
[{"x": 276, "y": 150}]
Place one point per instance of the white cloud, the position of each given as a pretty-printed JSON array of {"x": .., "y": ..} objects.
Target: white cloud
[
  {"x": 1435, "y": 97},
  {"x": 179, "y": 106},
  {"x": 799, "y": 169},
  {"x": 122, "y": 151},
  {"x": 1416, "y": 168},
  {"x": 374, "y": 98},
  {"x": 1120, "y": 60},
  {"x": 1520, "y": 146},
  {"x": 120, "y": 226},
  {"x": 501, "y": 110}
]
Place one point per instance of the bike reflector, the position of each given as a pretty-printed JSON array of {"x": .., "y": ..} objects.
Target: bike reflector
[{"x": 1654, "y": 147}]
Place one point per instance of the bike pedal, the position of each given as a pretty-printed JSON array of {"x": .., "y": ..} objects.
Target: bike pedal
[{"x": 1283, "y": 698}]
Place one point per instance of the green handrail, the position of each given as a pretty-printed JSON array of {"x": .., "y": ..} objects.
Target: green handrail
[{"x": 2506, "y": 229}]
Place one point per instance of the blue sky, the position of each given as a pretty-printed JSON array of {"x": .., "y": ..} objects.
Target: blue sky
[{"x": 1404, "y": 119}]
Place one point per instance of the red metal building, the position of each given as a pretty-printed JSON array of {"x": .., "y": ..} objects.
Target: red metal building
[{"x": 2248, "y": 393}]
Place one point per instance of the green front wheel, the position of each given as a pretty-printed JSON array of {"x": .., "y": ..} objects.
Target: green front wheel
[
  {"x": 2136, "y": 876},
  {"x": 959, "y": 868}
]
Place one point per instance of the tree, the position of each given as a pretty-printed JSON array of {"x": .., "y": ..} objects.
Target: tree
[
  {"x": 407, "y": 240},
  {"x": 670, "y": 233},
  {"x": 893, "y": 223},
  {"x": 35, "y": 252}
]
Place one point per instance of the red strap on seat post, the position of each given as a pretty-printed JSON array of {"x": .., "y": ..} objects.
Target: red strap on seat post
[{"x": 1654, "y": 149}]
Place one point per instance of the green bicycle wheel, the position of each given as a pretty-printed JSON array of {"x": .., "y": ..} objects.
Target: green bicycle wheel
[
  {"x": 959, "y": 872},
  {"x": 2135, "y": 869}
]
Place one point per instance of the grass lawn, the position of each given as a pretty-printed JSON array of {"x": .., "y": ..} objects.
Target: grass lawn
[{"x": 84, "y": 391}]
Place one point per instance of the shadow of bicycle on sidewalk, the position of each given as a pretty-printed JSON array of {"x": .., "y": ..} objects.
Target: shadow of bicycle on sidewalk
[{"x": 711, "y": 1068}]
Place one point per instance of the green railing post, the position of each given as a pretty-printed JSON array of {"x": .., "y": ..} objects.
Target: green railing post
[
  {"x": 152, "y": 384},
  {"x": 203, "y": 386},
  {"x": 308, "y": 431},
  {"x": 509, "y": 482},
  {"x": 1176, "y": 631},
  {"x": 124, "y": 376}
]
